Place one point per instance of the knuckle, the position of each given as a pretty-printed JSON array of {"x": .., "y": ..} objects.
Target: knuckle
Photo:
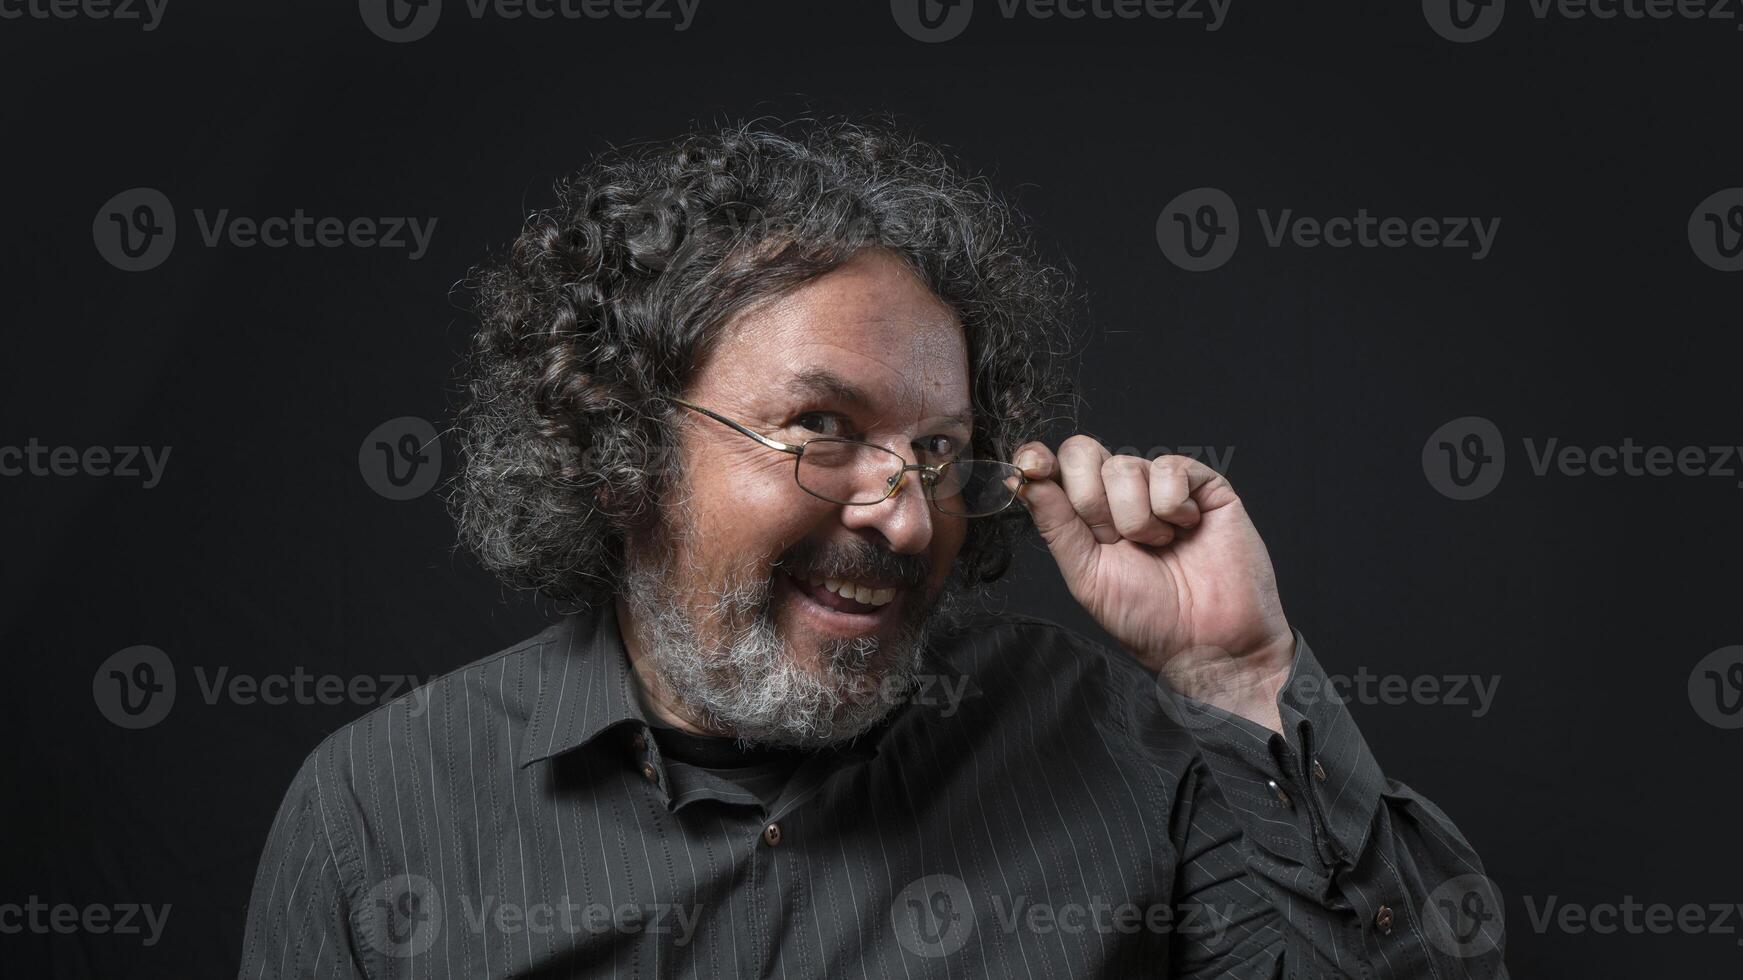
[
  {"x": 1173, "y": 464},
  {"x": 1089, "y": 504},
  {"x": 1122, "y": 465},
  {"x": 1082, "y": 446},
  {"x": 1131, "y": 524}
]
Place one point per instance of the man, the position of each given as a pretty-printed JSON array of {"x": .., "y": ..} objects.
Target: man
[{"x": 763, "y": 407}]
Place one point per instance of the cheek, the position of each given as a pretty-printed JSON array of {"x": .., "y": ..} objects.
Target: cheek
[{"x": 748, "y": 508}]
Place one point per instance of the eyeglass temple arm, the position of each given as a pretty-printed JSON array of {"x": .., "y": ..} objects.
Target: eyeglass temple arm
[
  {"x": 795, "y": 450},
  {"x": 723, "y": 420}
]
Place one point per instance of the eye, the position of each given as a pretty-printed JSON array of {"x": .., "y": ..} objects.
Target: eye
[
  {"x": 938, "y": 447},
  {"x": 821, "y": 422}
]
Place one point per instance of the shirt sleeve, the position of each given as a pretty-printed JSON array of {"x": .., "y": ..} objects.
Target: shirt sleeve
[
  {"x": 298, "y": 914},
  {"x": 1301, "y": 858}
]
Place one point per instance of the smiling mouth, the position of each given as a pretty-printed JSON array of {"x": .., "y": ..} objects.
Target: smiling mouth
[{"x": 844, "y": 597}]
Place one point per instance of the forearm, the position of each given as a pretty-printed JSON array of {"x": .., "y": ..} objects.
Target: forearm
[{"x": 1355, "y": 867}]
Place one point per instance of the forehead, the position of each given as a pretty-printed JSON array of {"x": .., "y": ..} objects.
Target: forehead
[{"x": 871, "y": 323}]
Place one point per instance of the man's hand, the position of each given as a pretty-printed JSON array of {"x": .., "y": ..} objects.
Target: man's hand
[{"x": 1163, "y": 555}]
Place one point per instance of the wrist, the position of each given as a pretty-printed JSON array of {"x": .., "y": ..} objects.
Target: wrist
[{"x": 1246, "y": 684}]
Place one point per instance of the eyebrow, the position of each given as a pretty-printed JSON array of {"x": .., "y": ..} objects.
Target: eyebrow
[{"x": 826, "y": 384}]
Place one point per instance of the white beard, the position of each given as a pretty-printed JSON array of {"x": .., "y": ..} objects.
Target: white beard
[{"x": 750, "y": 687}]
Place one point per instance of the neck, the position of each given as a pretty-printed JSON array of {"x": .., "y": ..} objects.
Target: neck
[{"x": 655, "y": 694}]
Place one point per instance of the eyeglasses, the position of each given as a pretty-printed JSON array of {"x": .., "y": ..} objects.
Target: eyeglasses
[{"x": 846, "y": 471}]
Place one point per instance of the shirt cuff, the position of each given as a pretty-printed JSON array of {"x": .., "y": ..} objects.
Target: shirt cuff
[{"x": 1319, "y": 774}]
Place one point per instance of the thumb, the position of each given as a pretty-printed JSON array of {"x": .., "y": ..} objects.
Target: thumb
[{"x": 1070, "y": 540}]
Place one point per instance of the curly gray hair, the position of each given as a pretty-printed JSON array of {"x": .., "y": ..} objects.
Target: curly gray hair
[{"x": 608, "y": 302}]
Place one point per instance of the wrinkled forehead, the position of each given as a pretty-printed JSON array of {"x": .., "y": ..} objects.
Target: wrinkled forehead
[{"x": 868, "y": 337}]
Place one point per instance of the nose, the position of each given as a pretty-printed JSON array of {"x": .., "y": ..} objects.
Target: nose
[{"x": 904, "y": 518}]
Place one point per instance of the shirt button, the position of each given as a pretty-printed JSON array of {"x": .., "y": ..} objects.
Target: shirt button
[
  {"x": 772, "y": 834},
  {"x": 1282, "y": 797},
  {"x": 1383, "y": 920},
  {"x": 649, "y": 773},
  {"x": 1318, "y": 771}
]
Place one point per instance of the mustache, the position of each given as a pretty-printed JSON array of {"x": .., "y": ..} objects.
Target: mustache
[{"x": 855, "y": 561}]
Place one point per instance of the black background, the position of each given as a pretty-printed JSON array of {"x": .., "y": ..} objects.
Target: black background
[{"x": 1592, "y": 779}]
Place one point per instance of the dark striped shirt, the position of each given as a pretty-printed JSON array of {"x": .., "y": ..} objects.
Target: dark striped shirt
[{"x": 1035, "y": 810}]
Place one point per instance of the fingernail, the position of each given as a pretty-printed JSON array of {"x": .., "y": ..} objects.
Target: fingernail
[{"x": 1028, "y": 459}]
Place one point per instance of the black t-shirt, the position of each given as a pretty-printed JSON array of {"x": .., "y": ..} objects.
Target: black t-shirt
[{"x": 760, "y": 771}]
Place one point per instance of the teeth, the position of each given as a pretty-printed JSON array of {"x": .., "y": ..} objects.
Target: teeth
[{"x": 858, "y": 593}]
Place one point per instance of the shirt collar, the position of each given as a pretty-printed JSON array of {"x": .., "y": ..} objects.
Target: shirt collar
[
  {"x": 585, "y": 686},
  {"x": 586, "y": 689}
]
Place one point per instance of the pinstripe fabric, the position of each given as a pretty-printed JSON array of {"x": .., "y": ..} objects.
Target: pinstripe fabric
[{"x": 1059, "y": 820}]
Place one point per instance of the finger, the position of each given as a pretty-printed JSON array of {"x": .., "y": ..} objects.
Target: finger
[
  {"x": 1126, "y": 479},
  {"x": 1036, "y": 461},
  {"x": 1171, "y": 491},
  {"x": 1182, "y": 489},
  {"x": 1080, "y": 459},
  {"x": 1068, "y": 538}
]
